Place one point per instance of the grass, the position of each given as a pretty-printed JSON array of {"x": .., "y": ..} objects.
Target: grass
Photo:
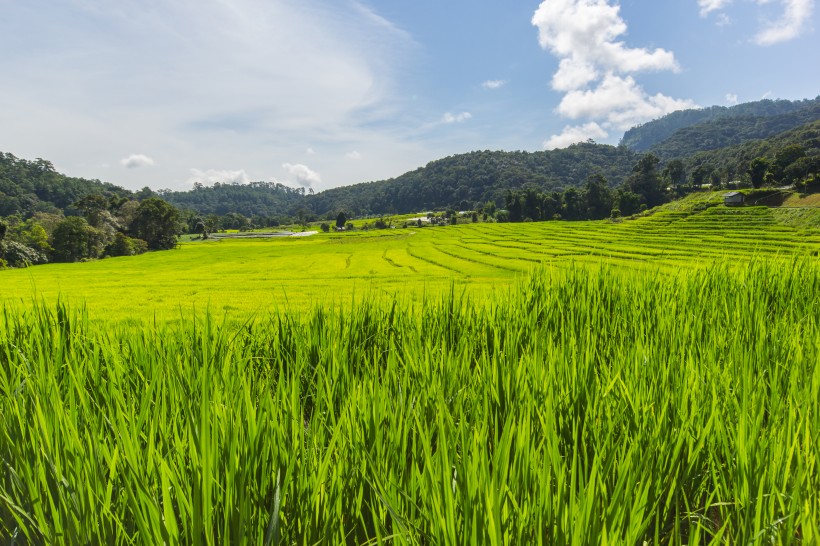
[
  {"x": 652, "y": 381},
  {"x": 238, "y": 277},
  {"x": 614, "y": 406}
]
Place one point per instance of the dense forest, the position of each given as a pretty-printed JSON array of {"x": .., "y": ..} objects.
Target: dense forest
[
  {"x": 254, "y": 199},
  {"x": 460, "y": 181},
  {"x": 718, "y": 127},
  {"x": 464, "y": 180},
  {"x": 27, "y": 187},
  {"x": 46, "y": 216},
  {"x": 788, "y": 157}
]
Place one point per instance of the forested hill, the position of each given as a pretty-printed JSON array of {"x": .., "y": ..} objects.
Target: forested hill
[
  {"x": 254, "y": 199},
  {"x": 798, "y": 151},
  {"x": 461, "y": 181},
  {"x": 27, "y": 187},
  {"x": 688, "y": 131}
]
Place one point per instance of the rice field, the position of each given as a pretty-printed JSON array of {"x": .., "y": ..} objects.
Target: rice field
[
  {"x": 649, "y": 382},
  {"x": 242, "y": 276}
]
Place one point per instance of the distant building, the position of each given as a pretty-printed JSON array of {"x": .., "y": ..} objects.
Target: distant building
[{"x": 733, "y": 198}]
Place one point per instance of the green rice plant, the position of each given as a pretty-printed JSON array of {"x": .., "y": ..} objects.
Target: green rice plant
[{"x": 579, "y": 406}]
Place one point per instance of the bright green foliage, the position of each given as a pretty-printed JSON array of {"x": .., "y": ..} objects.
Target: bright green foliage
[{"x": 582, "y": 407}]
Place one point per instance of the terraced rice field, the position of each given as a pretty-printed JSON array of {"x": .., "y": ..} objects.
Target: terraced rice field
[
  {"x": 262, "y": 274},
  {"x": 654, "y": 381}
]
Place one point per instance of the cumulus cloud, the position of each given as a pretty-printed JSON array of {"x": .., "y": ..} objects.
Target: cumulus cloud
[
  {"x": 455, "y": 118},
  {"x": 620, "y": 101},
  {"x": 134, "y": 161},
  {"x": 354, "y": 155},
  {"x": 573, "y": 134},
  {"x": 212, "y": 176},
  {"x": 302, "y": 174},
  {"x": 596, "y": 69},
  {"x": 790, "y": 24},
  {"x": 493, "y": 84},
  {"x": 584, "y": 33},
  {"x": 731, "y": 98}
]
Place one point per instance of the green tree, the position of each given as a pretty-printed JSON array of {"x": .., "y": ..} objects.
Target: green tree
[
  {"x": 341, "y": 220},
  {"x": 646, "y": 182},
  {"x": 199, "y": 227},
  {"x": 157, "y": 223},
  {"x": 74, "y": 239},
  {"x": 126, "y": 246},
  {"x": 34, "y": 235},
  {"x": 3, "y": 229},
  {"x": 783, "y": 159},
  {"x": 675, "y": 173},
  {"x": 93, "y": 208},
  {"x": 757, "y": 171},
  {"x": 627, "y": 202},
  {"x": 574, "y": 207},
  {"x": 598, "y": 197}
]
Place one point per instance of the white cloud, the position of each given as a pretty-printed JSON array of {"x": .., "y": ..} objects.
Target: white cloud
[
  {"x": 209, "y": 82},
  {"x": 731, "y": 98},
  {"x": 134, "y": 161},
  {"x": 456, "y": 118},
  {"x": 354, "y": 155},
  {"x": 573, "y": 74},
  {"x": 708, "y": 6},
  {"x": 303, "y": 175},
  {"x": 795, "y": 15},
  {"x": 584, "y": 32},
  {"x": 621, "y": 102},
  {"x": 596, "y": 69},
  {"x": 212, "y": 176},
  {"x": 493, "y": 84},
  {"x": 573, "y": 134},
  {"x": 790, "y": 24},
  {"x": 310, "y": 151}
]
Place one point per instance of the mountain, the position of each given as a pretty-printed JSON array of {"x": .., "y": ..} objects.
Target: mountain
[
  {"x": 459, "y": 181},
  {"x": 27, "y": 187},
  {"x": 462, "y": 181},
  {"x": 688, "y": 131},
  {"x": 732, "y": 162}
]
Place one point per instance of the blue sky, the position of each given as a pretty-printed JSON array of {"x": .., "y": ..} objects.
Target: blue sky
[{"x": 322, "y": 93}]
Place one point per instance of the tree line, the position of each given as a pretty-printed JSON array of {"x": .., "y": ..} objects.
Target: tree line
[{"x": 108, "y": 226}]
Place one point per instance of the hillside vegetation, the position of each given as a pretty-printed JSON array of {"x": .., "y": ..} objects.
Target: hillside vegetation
[
  {"x": 27, "y": 187},
  {"x": 735, "y": 162},
  {"x": 463, "y": 180},
  {"x": 459, "y": 181},
  {"x": 687, "y": 131}
]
